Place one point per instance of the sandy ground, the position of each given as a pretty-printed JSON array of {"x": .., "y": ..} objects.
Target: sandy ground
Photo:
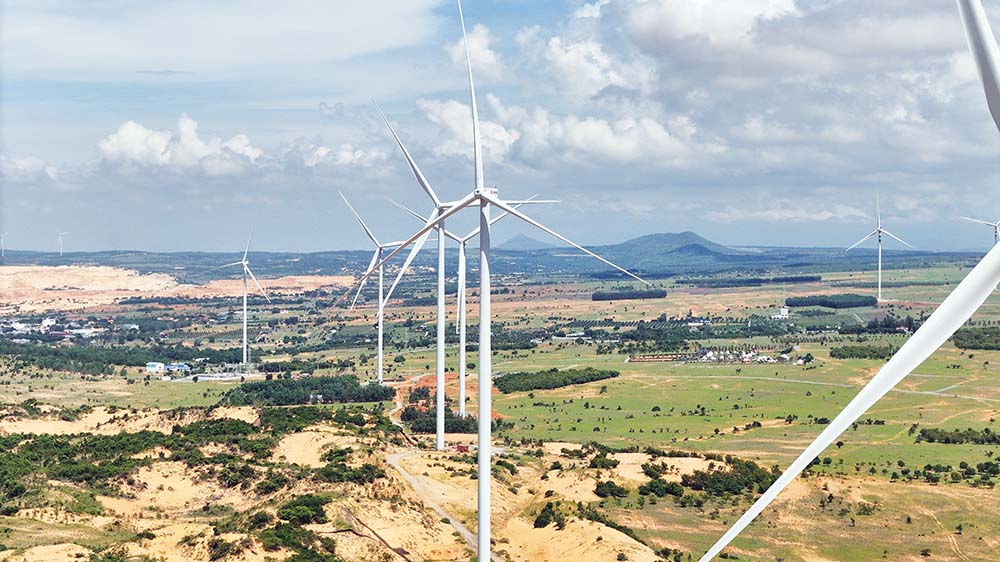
[
  {"x": 48, "y": 553},
  {"x": 170, "y": 487},
  {"x": 580, "y": 541},
  {"x": 306, "y": 448},
  {"x": 28, "y": 289},
  {"x": 102, "y": 422}
]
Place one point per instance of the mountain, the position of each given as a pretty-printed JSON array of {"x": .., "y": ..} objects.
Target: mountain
[
  {"x": 668, "y": 242},
  {"x": 522, "y": 243}
]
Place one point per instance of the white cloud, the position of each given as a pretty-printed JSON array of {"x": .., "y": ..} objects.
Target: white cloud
[
  {"x": 485, "y": 61},
  {"x": 659, "y": 21},
  {"x": 191, "y": 35},
  {"x": 782, "y": 210},
  {"x": 586, "y": 69},
  {"x": 26, "y": 170},
  {"x": 456, "y": 119},
  {"x": 592, "y": 10},
  {"x": 181, "y": 149}
]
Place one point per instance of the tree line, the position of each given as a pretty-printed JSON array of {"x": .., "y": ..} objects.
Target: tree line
[{"x": 549, "y": 379}]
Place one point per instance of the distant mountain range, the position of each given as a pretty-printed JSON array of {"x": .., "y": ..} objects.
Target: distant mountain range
[
  {"x": 522, "y": 243},
  {"x": 654, "y": 255}
]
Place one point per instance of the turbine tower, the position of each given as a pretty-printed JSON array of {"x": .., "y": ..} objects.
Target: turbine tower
[
  {"x": 376, "y": 258},
  {"x": 3, "y": 245},
  {"x": 245, "y": 264},
  {"x": 61, "y": 236},
  {"x": 953, "y": 313},
  {"x": 994, "y": 225},
  {"x": 877, "y": 233},
  {"x": 485, "y": 198}
]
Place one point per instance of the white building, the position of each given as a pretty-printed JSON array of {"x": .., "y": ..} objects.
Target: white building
[{"x": 155, "y": 367}]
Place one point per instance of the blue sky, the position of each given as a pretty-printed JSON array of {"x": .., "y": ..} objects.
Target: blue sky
[{"x": 170, "y": 126}]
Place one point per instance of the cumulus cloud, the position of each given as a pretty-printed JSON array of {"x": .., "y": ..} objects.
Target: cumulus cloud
[
  {"x": 185, "y": 150},
  {"x": 585, "y": 69},
  {"x": 456, "y": 120},
  {"x": 180, "y": 149},
  {"x": 785, "y": 210},
  {"x": 487, "y": 62},
  {"x": 26, "y": 170},
  {"x": 659, "y": 22}
]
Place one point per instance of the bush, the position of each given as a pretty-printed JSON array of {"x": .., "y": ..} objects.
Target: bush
[
  {"x": 304, "y": 509},
  {"x": 832, "y": 301},
  {"x": 610, "y": 489},
  {"x": 552, "y": 378}
]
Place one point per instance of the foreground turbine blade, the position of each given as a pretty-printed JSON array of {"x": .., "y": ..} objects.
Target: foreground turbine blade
[
  {"x": 477, "y": 150},
  {"x": 421, "y": 179},
  {"x": 862, "y": 241},
  {"x": 960, "y": 305},
  {"x": 505, "y": 207},
  {"x": 896, "y": 238},
  {"x": 984, "y": 51},
  {"x": 417, "y": 246},
  {"x": 494, "y": 220},
  {"x": 421, "y": 218},
  {"x": 371, "y": 235},
  {"x": 255, "y": 282},
  {"x": 221, "y": 267}
]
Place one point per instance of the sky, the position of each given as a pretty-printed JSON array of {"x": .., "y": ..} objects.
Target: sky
[{"x": 175, "y": 126}]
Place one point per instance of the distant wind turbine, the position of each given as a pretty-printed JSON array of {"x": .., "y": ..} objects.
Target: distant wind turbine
[
  {"x": 953, "y": 313},
  {"x": 245, "y": 264},
  {"x": 460, "y": 300},
  {"x": 376, "y": 258},
  {"x": 877, "y": 233},
  {"x": 484, "y": 198},
  {"x": 3, "y": 245},
  {"x": 994, "y": 225},
  {"x": 61, "y": 236}
]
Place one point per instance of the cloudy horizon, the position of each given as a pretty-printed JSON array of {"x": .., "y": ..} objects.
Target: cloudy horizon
[{"x": 172, "y": 127}]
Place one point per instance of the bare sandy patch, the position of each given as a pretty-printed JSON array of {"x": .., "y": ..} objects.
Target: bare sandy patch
[
  {"x": 248, "y": 414},
  {"x": 48, "y": 553},
  {"x": 571, "y": 485},
  {"x": 172, "y": 487},
  {"x": 306, "y": 448},
  {"x": 578, "y": 542},
  {"x": 39, "y": 288}
]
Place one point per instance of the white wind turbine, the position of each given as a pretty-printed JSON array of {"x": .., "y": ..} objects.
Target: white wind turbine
[
  {"x": 61, "y": 236},
  {"x": 484, "y": 198},
  {"x": 877, "y": 233},
  {"x": 460, "y": 297},
  {"x": 954, "y": 312},
  {"x": 376, "y": 258},
  {"x": 245, "y": 264},
  {"x": 994, "y": 225},
  {"x": 3, "y": 245}
]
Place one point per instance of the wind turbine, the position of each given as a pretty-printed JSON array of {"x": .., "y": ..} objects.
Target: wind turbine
[
  {"x": 245, "y": 264},
  {"x": 3, "y": 245},
  {"x": 994, "y": 225},
  {"x": 953, "y": 313},
  {"x": 485, "y": 198},
  {"x": 376, "y": 258},
  {"x": 61, "y": 236},
  {"x": 460, "y": 300},
  {"x": 877, "y": 233}
]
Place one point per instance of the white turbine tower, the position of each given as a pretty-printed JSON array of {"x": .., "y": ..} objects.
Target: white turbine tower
[
  {"x": 877, "y": 233},
  {"x": 245, "y": 264},
  {"x": 3, "y": 245},
  {"x": 61, "y": 236},
  {"x": 484, "y": 198},
  {"x": 994, "y": 225},
  {"x": 954, "y": 312},
  {"x": 460, "y": 300},
  {"x": 376, "y": 258}
]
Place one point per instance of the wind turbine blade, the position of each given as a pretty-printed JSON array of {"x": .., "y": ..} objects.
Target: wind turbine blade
[
  {"x": 978, "y": 221},
  {"x": 255, "y": 282},
  {"x": 368, "y": 231},
  {"x": 421, "y": 179},
  {"x": 859, "y": 242},
  {"x": 984, "y": 50},
  {"x": 477, "y": 150},
  {"x": 494, "y": 220},
  {"x": 417, "y": 246},
  {"x": 450, "y": 212},
  {"x": 510, "y": 210},
  {"x": 878, "y": 212},
  {"x": 955, "y": 311},
  {"x": 896, "y": 238},
  {"x": 249, "y": 239},
  {"x": 421, "y": 218},
  {"x": 220, "y": 267},
  {"x": 371, "y": 265}
]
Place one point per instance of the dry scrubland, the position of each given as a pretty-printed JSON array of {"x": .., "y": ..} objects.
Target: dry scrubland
[{"x": 855, "y": 507}]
